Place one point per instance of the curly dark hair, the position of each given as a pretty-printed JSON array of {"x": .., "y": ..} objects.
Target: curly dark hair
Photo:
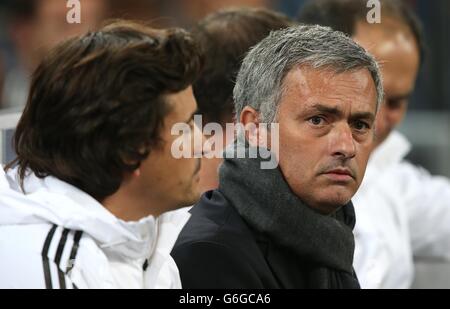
[
  {"x": 225, "y": 38},
  {"x": 97, "y": 104}
]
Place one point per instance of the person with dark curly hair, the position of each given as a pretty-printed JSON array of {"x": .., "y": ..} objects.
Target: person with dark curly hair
[{"x": 79, "y": 206}]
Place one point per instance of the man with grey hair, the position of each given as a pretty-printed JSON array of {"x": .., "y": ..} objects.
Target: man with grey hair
[
  {"x": 289, "y": 227},
  {"x": 403, "y": 211}
]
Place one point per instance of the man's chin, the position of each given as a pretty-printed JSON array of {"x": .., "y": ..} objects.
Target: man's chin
[
  {"x": 334, "y": 201},
  {"x": 193, "y": 198}
]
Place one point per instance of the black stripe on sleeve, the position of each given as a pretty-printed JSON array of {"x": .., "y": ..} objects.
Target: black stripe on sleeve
[
  {"x": 74, "y": 251},
  {"x": 145, "y": 266},
  {"x": 59, "y": 253},
  {"x": 45, "y": 261}
]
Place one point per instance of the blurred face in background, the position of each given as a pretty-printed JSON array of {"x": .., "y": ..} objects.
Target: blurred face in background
[
  {"x": 35, "y": 36},
  {"x": 395, "y": 48}
]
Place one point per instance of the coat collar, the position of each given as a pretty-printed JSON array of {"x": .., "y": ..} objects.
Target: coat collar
[
  {"x": 50, "y": 200},
  {"x": 392, "y": 151}
]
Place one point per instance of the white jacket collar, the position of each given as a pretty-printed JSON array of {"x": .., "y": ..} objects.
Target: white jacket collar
[
  {"x": 392, "y": 151},
  {"x": 50, "y": 200}
]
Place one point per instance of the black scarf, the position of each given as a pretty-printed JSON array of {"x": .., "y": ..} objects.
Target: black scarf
[{"x": 267, "y": 204}]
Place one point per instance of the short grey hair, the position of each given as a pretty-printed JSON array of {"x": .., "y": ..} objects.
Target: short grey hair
[{"x": 259, "y": 83}]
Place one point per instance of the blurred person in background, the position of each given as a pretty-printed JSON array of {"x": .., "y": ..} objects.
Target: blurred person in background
[
  {"x": 402, "y": 211},
  {"x": 188, "y": 13},
  {"x": 149, "y": 11},
  {"x": 34, "y": 27},
  {"x": 224, "y": 39},
  {"x": 79, "y": 206}
]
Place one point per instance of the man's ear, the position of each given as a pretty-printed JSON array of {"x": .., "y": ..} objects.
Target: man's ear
[
  {"x": 249, "y": 115},
  {"x": 137, "y": 172},
  {"x": 130, "y": 176},
  {"x": 249, "y": 118},
  {"x": 130, "y": 162}
]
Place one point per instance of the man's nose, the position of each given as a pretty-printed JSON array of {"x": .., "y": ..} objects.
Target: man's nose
[{"x": 342, "y": 143}]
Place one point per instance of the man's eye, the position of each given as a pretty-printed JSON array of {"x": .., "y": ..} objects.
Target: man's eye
[
  {"x": 316, "y": 120},
  {"x": 361, "y": 125}
]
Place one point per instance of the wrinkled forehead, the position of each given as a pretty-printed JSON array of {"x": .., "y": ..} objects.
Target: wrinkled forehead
[
  {"x": 327, "y": 82},
  {"x": 305, "y": 86}
]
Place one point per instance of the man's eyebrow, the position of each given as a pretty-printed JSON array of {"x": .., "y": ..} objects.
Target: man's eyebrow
[
  {"x": 336, "y": 111},
  {"x": 327, "y": 109},
  {"x": 363, "y": 115}
]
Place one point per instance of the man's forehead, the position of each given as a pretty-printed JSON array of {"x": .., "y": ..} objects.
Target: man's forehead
[
  {"x": 315, "y": 84},
  {"x": 306, "y": 76},
  {"x": 340, "y": 94},
  {"x": 181, "y": 105}
]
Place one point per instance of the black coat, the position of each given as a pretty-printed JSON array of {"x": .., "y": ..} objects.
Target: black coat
[{"x": 217, "y": 249}]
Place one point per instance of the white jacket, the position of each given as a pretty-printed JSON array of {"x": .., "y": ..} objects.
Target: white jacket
[
  {"x": 402, "y": 212},
  {"x": 57, "y": 236}
]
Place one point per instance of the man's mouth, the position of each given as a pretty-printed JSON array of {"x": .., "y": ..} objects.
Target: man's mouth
[{"x": 340, "y": 174}]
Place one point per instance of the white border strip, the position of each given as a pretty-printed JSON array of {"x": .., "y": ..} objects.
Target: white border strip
[
  {"x": 1, "y": 147},
  {"x": 9, "y": 121}
]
